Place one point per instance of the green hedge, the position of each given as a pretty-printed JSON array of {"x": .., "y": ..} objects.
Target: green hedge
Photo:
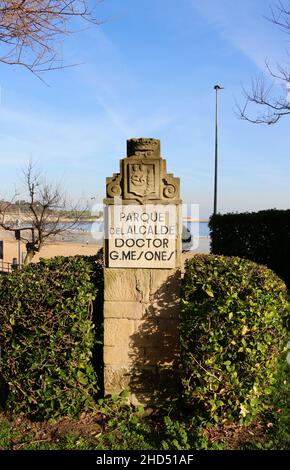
[
  {"x": 232, "y": 335},
  {"x": 47, "y": 336},
  {"x": 263, "y": 237}
]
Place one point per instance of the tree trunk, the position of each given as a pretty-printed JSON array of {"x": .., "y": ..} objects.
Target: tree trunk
[
  {"x": 28, "y": 258},
  {"x": 31, "y": 249}
]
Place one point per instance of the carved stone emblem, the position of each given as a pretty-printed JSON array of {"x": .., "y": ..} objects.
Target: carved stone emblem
[{"x": 141, "y": 179}]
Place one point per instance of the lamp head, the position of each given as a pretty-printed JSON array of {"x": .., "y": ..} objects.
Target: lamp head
[{"x": 218, "y": 87}]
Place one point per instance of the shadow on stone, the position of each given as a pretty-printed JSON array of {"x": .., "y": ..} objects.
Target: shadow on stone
[
  {"x": 98, "y": 320},
  {"x": 154, "y": 347}
]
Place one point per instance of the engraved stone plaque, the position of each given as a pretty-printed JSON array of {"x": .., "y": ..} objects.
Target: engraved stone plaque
[{"x": 142, "y": 236}]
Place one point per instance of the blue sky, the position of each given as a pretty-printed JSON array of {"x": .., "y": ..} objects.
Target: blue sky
[{"x": 149, "y": 71}]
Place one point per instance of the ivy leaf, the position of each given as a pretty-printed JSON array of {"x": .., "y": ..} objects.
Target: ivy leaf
[
  {"x": 209, "y": 292},
  {"x": 244, "y": 330}
]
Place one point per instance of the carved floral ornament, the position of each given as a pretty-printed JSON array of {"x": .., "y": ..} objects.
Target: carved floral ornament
[{"x": 143, "y": 175}]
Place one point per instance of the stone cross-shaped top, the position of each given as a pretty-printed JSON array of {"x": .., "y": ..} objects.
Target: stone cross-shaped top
[{"x": 143, "y": 177}]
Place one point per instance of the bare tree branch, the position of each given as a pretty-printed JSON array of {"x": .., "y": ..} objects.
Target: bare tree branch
[
  {"x": 274, "y": 104},
  {"x": 31, "y": 30},
  {"x": 280, "y": 16},
  {"x": 43, "y": 216}
]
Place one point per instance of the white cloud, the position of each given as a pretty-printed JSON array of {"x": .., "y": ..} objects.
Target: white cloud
[
  {"x": 46, "y": 136},
  {"x": 117, "y": 90}
]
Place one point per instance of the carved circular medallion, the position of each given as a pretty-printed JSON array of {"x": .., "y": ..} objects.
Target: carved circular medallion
[
  {"x": 114, "y": 190},
  {"x": 169, "y": 191}
]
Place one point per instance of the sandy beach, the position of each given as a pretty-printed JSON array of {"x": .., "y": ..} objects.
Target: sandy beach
[{"x": 10, "y": 248}]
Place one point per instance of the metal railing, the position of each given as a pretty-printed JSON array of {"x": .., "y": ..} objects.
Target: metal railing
[{"x": 6, "y": 268}]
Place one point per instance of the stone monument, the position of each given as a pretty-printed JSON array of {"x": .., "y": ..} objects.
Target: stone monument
[{"x": 142, "y": 252}]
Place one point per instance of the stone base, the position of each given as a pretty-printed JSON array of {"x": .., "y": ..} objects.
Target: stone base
[
  {"x": 141, "y": 337},
  {"x": 147, "y": 385}
]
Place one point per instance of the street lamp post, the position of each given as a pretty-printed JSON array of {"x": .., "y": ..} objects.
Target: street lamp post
[
  {"x": 217, "y": 88},
  {"x": 19, "y": 241}
]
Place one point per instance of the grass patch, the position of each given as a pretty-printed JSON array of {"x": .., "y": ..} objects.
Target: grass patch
[{"x": 116, "y": 426}]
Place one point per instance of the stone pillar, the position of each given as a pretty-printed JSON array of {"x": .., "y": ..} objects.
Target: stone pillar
[{"x": 142, "y": 276}]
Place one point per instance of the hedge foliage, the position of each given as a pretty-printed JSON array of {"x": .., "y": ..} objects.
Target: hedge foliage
[
  {"x": 263, "y": 237},
  {"x": 232, "y": 335},
  {"x": 47, "y": 336}
]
